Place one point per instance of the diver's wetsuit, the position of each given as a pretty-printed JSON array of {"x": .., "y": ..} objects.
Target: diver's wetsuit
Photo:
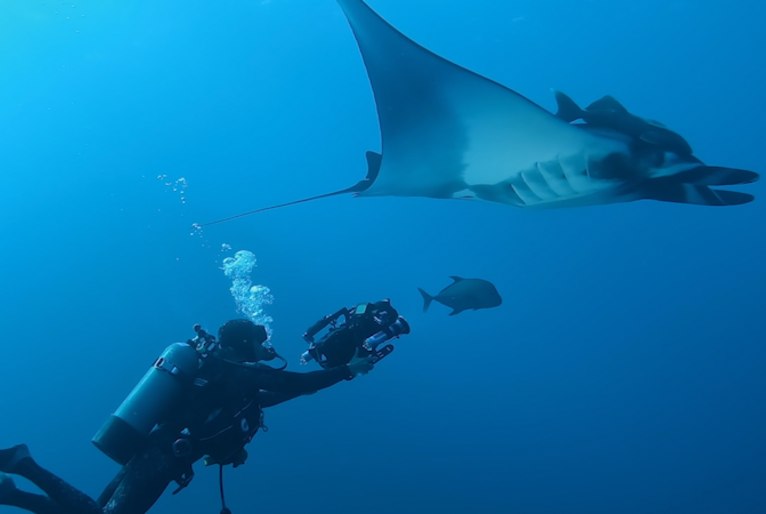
[{"x": 141, "y": 482}]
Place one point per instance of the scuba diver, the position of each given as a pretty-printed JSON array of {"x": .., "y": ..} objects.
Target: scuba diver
[{"x": 202, "y": 399}]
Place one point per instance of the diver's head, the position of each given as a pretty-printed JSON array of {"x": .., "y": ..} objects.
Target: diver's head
[{"x": 244, "y": 341}]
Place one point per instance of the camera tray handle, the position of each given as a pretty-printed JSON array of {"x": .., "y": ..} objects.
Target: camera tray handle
[
  {"x": 320, "y": 325},
  {"x": 380, "y": 353}
]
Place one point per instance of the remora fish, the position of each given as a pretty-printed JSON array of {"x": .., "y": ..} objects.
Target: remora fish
[
  {"x": 608, "y": 113},
  {"x": 463, "y": 294}
]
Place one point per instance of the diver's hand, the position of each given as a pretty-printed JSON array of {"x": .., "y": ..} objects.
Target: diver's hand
[{"x": 360, "y": 365}]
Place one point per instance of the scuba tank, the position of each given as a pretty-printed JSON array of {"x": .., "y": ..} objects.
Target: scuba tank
[{"x": 127, "y": 430}]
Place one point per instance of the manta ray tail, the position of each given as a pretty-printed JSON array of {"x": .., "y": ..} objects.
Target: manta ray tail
[
  {"x": 373, "y": 168},
  {"x": 427, "y": 299}
]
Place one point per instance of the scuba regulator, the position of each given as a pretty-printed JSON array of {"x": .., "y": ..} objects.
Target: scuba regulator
[{"x": 358, "y": 330}]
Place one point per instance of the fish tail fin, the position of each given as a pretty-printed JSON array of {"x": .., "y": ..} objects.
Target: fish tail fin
[
  {"x": 427, "y": 299},
  {"x": 567, "y": 110}
]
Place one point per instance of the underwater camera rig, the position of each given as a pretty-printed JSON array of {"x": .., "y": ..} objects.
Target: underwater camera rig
[{"x": 359, "y": 330}]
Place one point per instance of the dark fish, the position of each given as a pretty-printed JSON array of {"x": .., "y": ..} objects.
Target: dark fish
[{"x": 463, "y": 294}]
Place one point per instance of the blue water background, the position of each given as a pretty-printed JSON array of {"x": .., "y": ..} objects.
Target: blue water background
[{"x": 624, "y": 371}]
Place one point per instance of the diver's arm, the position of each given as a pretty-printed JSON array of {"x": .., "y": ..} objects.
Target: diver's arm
[
  {"x": 257, "y": 377},
  {"x": 253, "y": 378},
  {"x": 270, "y": 399}
]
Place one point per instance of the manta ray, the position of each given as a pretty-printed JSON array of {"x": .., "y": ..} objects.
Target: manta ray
[{"x": 448, "y": 132}]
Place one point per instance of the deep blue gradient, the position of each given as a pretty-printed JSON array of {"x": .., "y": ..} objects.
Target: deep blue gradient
[{"x": 624, "y": 371}]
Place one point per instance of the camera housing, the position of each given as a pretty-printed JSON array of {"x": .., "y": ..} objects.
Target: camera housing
[{"x": 361, "y": 329}]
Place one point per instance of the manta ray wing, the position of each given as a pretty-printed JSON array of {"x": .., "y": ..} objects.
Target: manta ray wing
[{"x": 448, "y": 132}]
